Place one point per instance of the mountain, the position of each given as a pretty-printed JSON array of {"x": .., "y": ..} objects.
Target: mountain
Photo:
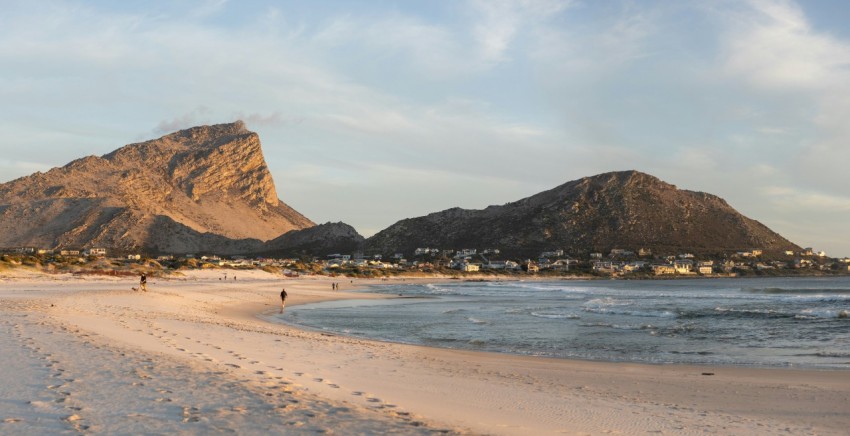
[
  {"x": 628, "y": 210},
  {"x": 206, "y": 188},
  {"x": 319, "y": 240}
]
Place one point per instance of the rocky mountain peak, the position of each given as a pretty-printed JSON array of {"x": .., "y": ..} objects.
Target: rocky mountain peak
[{"x": 203, "y": 180}]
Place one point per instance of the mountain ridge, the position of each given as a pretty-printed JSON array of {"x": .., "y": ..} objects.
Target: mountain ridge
[
  {"x": 623, "y": 209},
  {"x": 209, "y": 189}
]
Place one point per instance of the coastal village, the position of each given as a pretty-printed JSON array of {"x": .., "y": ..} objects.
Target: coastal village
[{"x": 467, "y": 262}]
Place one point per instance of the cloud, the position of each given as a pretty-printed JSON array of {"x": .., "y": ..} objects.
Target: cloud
[
  {"x": 772, "y": 45},
  {"x": 812, "y": 202},
  {"x": 184, "y": 121},
  {"x": 498, "y": 22},
  {"x": 274, "y": 119}
]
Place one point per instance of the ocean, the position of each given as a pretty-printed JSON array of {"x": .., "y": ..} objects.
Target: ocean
[{"x": 762, "y": 322}]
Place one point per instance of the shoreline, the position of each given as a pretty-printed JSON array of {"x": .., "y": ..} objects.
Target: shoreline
[{"x": 202, "y": 321}]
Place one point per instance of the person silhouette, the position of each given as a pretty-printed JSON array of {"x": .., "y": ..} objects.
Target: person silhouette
[{"x": 282, "y": 300}]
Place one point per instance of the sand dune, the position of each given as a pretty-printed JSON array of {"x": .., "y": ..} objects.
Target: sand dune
[{"x": 197, "y": 354}]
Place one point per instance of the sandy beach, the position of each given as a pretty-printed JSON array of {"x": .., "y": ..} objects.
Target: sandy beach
[{"x": 197, "y": 354}]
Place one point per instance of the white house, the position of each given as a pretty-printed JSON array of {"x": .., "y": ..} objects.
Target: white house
[{"x": 100, "y": 252}]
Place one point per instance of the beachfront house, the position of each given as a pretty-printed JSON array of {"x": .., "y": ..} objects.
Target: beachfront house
[
  {"x": 664, "y": 268},
  {"x": 560, "y": 265},
  {"x": 684, "y": 266},
  {"x": 604, "y": 267}
]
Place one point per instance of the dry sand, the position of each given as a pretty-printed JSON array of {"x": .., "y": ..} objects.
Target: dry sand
[{"x": 197, "y": 354}]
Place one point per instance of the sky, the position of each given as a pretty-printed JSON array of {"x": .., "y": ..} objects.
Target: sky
[{"x": 374, "y": 111}]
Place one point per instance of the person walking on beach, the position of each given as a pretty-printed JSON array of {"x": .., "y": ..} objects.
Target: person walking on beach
[
  {"x": 282, "y": 299},
  {"x": 143, "y": 282}
]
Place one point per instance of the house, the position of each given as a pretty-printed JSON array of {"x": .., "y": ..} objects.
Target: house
[
  {"x": 490, "y": 251},
  {"x": 335, "y": 263},
  {"x": 556, "y": 254},
  {"x": 643, "y": 252},
  {"x": 134, "y": 257},
  {"x": 686, "y": 256},
  {"x": 789, "y": 252},
  {"x": 705, "y": 270},
  {"x": 620, "y": 252},
  {"x": 634, "y": 266},
  {"x": 422, "y": 251},
  {"x": 663, "y": 268},
  {"x": 685, "y": 266},
  {"x": 531, "y": 267},
  {"x": 502, "y": 264},
  {"x": 466, "y": 252},
  {"x": 99, "y": 252},
  {"x": 808, "y": 251},
  {"x": 26, "y": 250},
  {"x": 560, "y": 265},
  {"x": 605, "y": 267},
  {"x": 463, "y": 265},
  {"x": 596, "y": 255},
  {"x": 802, "y": 263}
]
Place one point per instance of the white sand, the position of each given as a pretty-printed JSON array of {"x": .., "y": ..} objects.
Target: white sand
[{"x": 197, "y": 355}]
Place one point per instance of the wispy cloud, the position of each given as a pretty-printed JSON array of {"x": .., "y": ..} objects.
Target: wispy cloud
[
  {"x": 805, "y": 200},
  {"x": 772, "y": 44},
  {"x": 199, "y": 115}
]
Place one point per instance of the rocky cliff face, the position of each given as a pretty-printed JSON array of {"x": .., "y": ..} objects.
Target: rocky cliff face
[
  {"x": 629, "y": 210},
  {"x": 204, "y": 188}
]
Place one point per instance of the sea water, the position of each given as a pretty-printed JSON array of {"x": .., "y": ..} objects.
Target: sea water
[{"x": 762, "y": 322}]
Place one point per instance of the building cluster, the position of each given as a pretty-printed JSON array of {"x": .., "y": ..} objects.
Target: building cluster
[{"x": 428, "y": 259}]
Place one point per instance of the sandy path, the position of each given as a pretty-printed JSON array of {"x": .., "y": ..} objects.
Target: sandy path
[{"x": 210, "y": 329}]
